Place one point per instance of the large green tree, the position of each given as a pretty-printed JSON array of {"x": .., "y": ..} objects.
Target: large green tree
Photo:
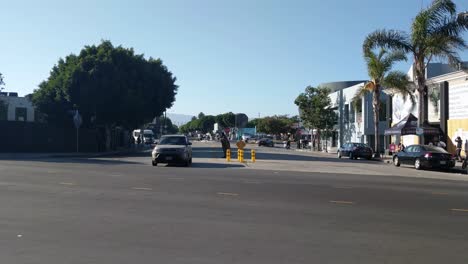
[
  {"x": 379, "y": 67},
  {"x": 110, "y": 86},
  {"x": 275, "y": 125},
  {"x": 315, "y": 109},
  {"x": 436, "y": 32},
  {"x": 226, "y": 119}
]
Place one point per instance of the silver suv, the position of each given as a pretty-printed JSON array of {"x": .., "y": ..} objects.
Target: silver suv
[{"x": 173, "y": 149}]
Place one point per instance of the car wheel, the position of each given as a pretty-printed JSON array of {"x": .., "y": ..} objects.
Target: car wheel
[
  {"x": 339, "y": 154},
  {"x": 351, "y": 156},
  {"x": 154, "y": 163},
  {"x": 396, "y": 161},
  {"x": 417, "y": 164},
  {"x": 369, "y": 158}
]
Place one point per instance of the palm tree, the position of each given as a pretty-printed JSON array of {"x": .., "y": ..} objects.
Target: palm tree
[
  {"x": 436, "y": 32},
  {"x": 382, "y": 78}
]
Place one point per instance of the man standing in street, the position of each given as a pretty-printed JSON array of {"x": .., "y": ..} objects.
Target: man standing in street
[
  {"x": 225, "y": 144},
  {"x": 459, "y": 142}
]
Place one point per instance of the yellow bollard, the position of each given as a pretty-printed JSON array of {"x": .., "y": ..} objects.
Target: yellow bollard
[
  {"x": 228, "y": 155},
  {"x": 238, "y": 154},
  {"x": 242, "y": 156},
  {"x": 253, "y": 155}
]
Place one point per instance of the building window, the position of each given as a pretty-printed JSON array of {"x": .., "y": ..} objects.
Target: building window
[
  {"x": 346, "y": 113},
  {"x": 21, "y": 114},
  {"x": 383, "y": 111},
  {"x": 352, "y": 114},
  {"x": 3, "y": 110}
]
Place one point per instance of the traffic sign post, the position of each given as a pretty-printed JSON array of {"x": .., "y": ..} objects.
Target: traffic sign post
[{"x": 77, "y": 121}]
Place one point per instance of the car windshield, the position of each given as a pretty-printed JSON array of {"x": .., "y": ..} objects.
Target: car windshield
[
  {"x": 172, "y": 141},
  {"x": 361, "y": 145},
  {"x": 435, "y": 149}
]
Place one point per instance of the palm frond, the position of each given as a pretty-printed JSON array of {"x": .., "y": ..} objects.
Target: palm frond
[
  {"x": 392, "y": 57},
  {"x": 441, "y": 8},
  {"x": 399, "y": 83},
  {"x": 388, "y": 39}
]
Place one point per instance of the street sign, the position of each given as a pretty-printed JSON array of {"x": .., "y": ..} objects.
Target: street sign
[
  {"x": 77, "y": 119},
  {"x": 419, "y": 131},
  {"x": 240, "y": 144}
]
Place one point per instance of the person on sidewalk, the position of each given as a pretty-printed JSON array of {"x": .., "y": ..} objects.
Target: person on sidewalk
[
  {"x": 225, "y": 144},
  {"x": 466, "y": 149},
  {"x": 459, "y": 142},
  {"x": 441, "y": 143}
]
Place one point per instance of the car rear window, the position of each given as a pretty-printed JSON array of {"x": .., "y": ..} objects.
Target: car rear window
[{"x": 435, "y": 149}]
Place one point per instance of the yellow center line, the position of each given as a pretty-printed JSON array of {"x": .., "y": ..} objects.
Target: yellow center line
[
  {"x": 67, "y": 183},
  {"x": 342, "y": 202},
  {"x": 142, "y": 188},
  {"x": 228, "y": 194},
  {"x": 459, "y": 210}
]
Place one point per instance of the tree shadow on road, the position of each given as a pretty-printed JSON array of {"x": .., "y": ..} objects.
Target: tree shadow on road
[{"x": 207, "y": 165}]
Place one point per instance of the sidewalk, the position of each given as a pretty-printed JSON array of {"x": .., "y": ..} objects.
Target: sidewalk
[{"x": 33, "y": 156}]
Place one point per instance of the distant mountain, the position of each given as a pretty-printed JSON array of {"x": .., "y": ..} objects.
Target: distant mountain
[{"x": 179, "y": 119}]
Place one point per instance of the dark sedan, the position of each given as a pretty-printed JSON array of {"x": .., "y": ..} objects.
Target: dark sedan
[
  {"x": 423, "y": 156},
  {"x": 355, "y": 150},
  {"x": 266, "y": 142}
]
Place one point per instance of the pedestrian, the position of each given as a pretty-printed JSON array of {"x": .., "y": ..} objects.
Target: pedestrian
[
  {"x": 401, "y": 147},
  {"x": 225, "y": 144},
  {"x": 459, "y": 142},
  {"x": 466, "y": 149},
  {"x": 442, "y": 144}
]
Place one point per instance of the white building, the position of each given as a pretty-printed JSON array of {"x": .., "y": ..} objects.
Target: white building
[
  {"x": 436, "y": 75},
  {"x": 17, "y": 108}
]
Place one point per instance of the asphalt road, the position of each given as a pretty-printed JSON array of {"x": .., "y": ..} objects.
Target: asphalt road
[{"x": 123, "y": 210}]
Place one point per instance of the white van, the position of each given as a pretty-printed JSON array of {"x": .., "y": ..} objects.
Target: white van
[{"x": 148, "y": 135}]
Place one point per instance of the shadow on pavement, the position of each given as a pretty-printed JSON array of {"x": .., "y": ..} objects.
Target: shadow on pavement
[{"x": 206, "y": 165}]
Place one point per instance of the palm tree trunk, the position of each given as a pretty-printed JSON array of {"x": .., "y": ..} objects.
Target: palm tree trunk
[
  {"x": 421, "y": 81},
  {"x": 376, "y": 106}
]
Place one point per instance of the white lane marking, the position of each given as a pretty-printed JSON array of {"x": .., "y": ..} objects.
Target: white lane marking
[
  {"x": 252, "y": 182},
  {"x": 228, "y": 194},
  {"x": 142, "y": 188},
  {"x": 459, "y": 210},
  {"x": 342, "y": 202},
  {"x": 67, "y": 183},
  {"x": 19, "y": 236}
]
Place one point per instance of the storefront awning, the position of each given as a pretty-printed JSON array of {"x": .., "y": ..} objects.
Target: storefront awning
[{"x": 409, "y": 126}]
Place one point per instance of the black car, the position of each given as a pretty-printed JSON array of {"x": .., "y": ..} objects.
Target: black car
[
  {"x": 355, "y": 150},
  {"x": 266, "y": 142},
  {"x": 424, "y": 156}
]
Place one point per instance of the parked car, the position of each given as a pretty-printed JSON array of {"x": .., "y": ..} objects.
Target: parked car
[
  {"x": 173, "y": 149},
  {"x": 246, "y": 137},
  {"x": 355, "y": 150},
  {"x": 266, "y": 142},
  {"x": 424, "y": 156}
]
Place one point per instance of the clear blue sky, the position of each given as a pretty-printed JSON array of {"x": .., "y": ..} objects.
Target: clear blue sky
[{"x": 240, "y": 56}]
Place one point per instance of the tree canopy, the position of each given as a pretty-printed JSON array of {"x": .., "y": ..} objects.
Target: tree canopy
[
  {"x": 275, "y": 124},
  {"x": 108, "y": 85},
  {"x": 315, "y": 108}
]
